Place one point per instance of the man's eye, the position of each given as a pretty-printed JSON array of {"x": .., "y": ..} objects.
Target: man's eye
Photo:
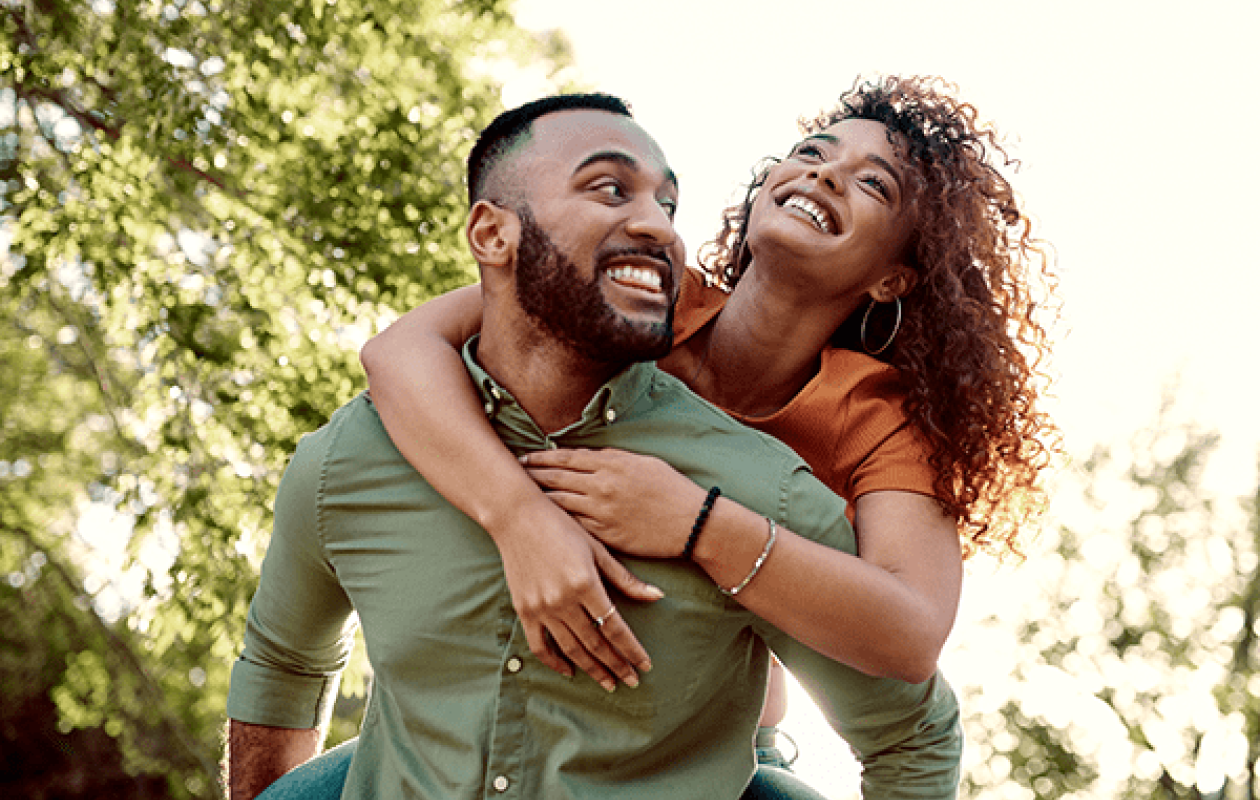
[
  {"x": 611, "y": 189},
  {"x": 670, "y": 206}
]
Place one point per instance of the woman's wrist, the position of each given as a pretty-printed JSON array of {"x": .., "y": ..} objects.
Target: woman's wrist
[
  {"x": 702, "y": 518},
  {"x": 516, "y": 503},
  {"x": 732, "y": 541}
]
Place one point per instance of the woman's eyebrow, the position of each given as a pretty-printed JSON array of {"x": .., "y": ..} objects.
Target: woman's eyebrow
[{"x": 884, "y": 163}]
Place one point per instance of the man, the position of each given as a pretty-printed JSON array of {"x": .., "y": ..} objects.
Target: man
[{"x": 571, "y": 225}]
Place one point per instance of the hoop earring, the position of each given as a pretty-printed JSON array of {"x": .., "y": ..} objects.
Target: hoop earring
[{"x": 896, "y": 327}]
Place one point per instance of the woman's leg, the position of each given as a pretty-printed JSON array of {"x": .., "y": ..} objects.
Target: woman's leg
[{"x": 321, "y": 778}]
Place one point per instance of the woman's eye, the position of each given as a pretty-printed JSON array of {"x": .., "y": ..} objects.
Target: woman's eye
[
  {"x": 808, "y": 151},
  {"x": 877, "y": 183}
]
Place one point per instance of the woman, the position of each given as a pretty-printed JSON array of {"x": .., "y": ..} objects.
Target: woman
[{"x": 870, "y": 304}]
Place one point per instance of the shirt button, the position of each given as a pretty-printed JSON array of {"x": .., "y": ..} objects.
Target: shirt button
[
  {"x": 550, "y": 445},
  {"x": 489, "y": 407},
  {"x": 501, "y": 783},
  {"x": 494, "y": 392},
  {"x": 514, "y": 664},
  {"x": 611, "y": 415}
]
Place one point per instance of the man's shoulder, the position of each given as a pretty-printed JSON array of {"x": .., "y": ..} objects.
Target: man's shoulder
[
  {"x": 352, "y": 414},
  {"x": 673, "y": 403},
  {"x": 354, "y": 432}
]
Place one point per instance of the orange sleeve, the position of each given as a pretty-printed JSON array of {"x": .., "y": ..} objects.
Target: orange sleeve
[{"x": 882, "y": 451}]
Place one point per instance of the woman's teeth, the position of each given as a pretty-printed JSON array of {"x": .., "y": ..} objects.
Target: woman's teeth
[{"x": 812, "y": 209}]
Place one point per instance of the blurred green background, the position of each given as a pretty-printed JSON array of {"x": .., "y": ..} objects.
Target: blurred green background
[{"x": 206, "y": 208}]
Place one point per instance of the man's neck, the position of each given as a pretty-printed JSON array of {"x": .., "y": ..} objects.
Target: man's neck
[{"x": 550, "y": 382}]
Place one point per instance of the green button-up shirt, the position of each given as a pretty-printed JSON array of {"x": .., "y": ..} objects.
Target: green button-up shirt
[{"x": 460, "y": 708}]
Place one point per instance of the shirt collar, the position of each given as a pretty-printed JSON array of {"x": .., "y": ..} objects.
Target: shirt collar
[{"x": 612, "y": 403}]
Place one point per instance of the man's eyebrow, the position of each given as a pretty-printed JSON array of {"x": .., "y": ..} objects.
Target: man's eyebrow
[{"x": 622, "y": 158}]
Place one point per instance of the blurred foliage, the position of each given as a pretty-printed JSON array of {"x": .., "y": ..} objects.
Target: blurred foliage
[
  {"x": 1136, "y": 655},
  {"x": 206, "y": 207}
]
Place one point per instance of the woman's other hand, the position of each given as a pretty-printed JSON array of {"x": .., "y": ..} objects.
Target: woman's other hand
[{"x": 635, "y": 504}]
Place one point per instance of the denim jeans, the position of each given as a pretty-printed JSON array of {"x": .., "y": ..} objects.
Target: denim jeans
[{"x": 322, "y": 778}]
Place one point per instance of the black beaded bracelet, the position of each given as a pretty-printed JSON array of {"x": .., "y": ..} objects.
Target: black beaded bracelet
[{"x": 701, "y": 518}]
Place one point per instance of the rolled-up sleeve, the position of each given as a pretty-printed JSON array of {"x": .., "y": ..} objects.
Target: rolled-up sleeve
[{"x": 300, "y": 628}]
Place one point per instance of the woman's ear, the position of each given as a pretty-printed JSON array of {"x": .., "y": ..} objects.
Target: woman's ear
[
  {"x": 897, "y": 283},
  {"x": 493, "y": 233}
]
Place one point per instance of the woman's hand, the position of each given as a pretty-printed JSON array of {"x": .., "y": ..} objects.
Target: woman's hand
[
  {"x": 553, "y": 570},
  {"x": 636, "y": 504}
]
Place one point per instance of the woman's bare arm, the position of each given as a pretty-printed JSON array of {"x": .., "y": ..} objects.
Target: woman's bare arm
[
  {"x": 430, "y": 408},
  {"x": 887, "y": 613}
]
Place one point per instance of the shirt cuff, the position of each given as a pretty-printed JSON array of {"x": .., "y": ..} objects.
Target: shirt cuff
[{"x": 263, "y": 695}]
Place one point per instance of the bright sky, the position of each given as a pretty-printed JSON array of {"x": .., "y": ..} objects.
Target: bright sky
[{"x": 1136, "y": 124}]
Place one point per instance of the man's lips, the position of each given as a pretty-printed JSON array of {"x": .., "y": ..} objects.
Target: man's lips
[
  {"x": 648, "y": 272},
  {"x": 636, "y": 277}
]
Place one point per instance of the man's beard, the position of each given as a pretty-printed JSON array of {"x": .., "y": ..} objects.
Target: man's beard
[{"x": 574, "y": 311}]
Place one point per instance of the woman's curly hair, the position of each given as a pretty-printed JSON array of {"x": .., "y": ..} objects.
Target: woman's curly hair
[{"x": 970, "y": 348}]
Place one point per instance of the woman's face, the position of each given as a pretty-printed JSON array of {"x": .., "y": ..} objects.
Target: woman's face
[{"x": 835, "y": 211}]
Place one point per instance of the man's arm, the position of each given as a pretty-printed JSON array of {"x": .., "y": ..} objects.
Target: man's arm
[
  {"x": 907, "y": 736},
  {"x": 258, "y": 755},
  {"x": 298, "y": 637}
]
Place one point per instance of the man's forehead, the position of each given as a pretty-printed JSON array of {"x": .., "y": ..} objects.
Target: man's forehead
[{"x": 573, "y": 135}]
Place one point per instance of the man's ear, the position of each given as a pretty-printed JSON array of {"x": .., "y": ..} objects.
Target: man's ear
[
  {"x": 493, "y": 234},
  {"x": 897, "y": 283}
]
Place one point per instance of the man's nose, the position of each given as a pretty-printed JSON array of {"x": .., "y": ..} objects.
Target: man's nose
[{"x": 652, "y": 223}]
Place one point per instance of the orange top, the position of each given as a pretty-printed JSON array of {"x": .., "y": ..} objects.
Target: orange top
[{"x": 847, "y": 423}]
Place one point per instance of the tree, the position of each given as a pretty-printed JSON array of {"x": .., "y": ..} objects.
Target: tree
[
  {"x": 207, "y": 206},
  {"x": 1137, "y": 661}
]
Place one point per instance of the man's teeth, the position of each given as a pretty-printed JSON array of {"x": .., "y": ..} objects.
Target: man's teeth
[
  {"x": 812, "y": 209},
  {"x": 636, "y": 275}
]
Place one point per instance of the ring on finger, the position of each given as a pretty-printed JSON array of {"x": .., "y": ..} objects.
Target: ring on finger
[{"x": 607, "y": 615}]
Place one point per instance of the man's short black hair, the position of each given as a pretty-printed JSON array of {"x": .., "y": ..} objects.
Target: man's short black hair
[{"x": 512, "y": 127}]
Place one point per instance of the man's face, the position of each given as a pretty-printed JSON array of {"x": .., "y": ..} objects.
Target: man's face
[
  {"x": 599, "y": 260},
  {"x": 572, "y": 307}
]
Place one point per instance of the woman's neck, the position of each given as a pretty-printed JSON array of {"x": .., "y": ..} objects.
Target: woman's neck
[{"x": 762, "y": 348}]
